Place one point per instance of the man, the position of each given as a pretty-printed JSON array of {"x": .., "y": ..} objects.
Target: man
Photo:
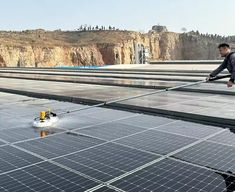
[{"x": 229, "y": 63}]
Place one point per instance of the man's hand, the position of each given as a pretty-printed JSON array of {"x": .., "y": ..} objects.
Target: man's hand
[
  {"x": 209, "y": 77},
  {"x": 229, "y": 84}
]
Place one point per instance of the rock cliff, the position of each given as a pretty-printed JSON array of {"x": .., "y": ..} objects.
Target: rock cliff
[{"x": 81, "y": 48}]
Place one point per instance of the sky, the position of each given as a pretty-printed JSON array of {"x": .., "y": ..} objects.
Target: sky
[{"x": 207, "y": 16}]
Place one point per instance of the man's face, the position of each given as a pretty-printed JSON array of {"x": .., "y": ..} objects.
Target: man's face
[{"x": 224, "y": 51}]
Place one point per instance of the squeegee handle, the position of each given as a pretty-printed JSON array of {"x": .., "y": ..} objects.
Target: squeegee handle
[{"x": 219, "y": 77}]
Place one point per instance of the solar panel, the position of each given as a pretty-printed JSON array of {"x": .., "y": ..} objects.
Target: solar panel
[
  {"x": 12, "y": 158},
  {"x": 75, "y": 121},
  {"x": 58, "y": 145},
  {"x": 217, "y": 156},
  {"x": 189, "y": 129},
  {"x": 156, "y": 142},
  {"x": 170, "y": 175},
  {"x": 109, "y": 115},
  {"x": 11, "y": 122},
  {"x": 23, "y": 133},
  {"x": 227, "y": 137},
  {"x": 106, "y": 161},
  {"x": 111, "y": 150},
  {"x": 44, "y": 177},
  {"x": 22, "y": 110},
  {"x": 105, "y": 189},
  {"x": 55, "y": 105},
  {"x": 111, "y": 131},
  {"x": 2, "y": 143},
  {"x": 146, "y": 121}
]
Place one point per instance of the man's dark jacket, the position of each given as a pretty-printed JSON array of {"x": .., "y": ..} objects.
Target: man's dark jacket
[{"x": 229, "y": 63}]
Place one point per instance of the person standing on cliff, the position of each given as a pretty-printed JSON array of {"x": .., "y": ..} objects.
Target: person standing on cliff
[{"x": 229, "y": 63}]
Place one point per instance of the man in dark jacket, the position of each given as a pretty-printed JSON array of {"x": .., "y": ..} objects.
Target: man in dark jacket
[{"x": 229, "y": 63}]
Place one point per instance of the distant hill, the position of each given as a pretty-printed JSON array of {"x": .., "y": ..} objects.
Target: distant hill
[{"x": 62, "y": 38}]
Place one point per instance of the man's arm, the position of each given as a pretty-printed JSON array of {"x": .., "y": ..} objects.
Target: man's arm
[
  {"x": 220, "y": 68},
  {"x": 232, "y": 60}
]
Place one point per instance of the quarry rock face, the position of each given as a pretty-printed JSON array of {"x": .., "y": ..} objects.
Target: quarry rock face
[
  {"x": 31, "y": 56},
  {"x": 39, "y": 48}
]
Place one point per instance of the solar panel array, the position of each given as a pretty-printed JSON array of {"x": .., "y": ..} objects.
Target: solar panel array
[{"x": 108, "y": 150}]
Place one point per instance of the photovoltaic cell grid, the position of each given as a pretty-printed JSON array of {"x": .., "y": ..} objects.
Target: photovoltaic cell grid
[
  {"x": 12, "y": 158},
  {"x": 156, "y": 142},
  {"x": 111, "y": 148},
  {"x": 107, "y": 161},
  {"x": 19, "y": 134},
  {"x": 44, "y": 177},
  {"x": 189, "y": 129},
  {"x": 170, "y": 175},
  {"x": 111, "y": 131},
  {"x": 105, "y": 189},
  {"x": 2, "y": 143},
  {"x": 227, "y": 138},
  {"x": 58, "y": 145},
  {"x": 212, "y": 155}
]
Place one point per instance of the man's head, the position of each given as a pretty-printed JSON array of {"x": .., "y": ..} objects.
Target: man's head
[{"x": 224, "y": 49}]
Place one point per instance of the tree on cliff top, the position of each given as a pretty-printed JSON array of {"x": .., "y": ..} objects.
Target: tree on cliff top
[{"x": 184, "y": 29}]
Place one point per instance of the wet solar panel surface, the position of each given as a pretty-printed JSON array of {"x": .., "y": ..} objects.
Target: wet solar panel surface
[{"x": 110, "y": 150}]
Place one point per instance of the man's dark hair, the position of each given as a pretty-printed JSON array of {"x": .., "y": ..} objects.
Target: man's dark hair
[{"x": 224, "y": 45}]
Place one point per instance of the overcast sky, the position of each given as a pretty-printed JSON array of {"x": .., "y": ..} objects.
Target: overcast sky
[{"x": 207, "y": 16}]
